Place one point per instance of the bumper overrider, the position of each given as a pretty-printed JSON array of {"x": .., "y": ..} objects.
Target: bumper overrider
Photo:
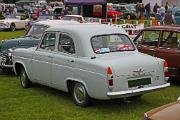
[{"x": 136, "y": 91}]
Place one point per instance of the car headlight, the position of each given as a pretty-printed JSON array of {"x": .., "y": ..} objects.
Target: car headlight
[{"x": 9, "y": 54}]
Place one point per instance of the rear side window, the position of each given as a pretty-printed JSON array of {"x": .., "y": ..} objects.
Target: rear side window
[
  {"x": 111, "y": 43},
  {"x": 170, "y": 39},
  {"x": 66, "y": 44},
  {"x": 149, "y": 38}
]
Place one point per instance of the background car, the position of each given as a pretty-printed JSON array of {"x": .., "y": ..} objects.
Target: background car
[
  {"x": 77, "y": 18},
  {"x": 162, "y": 42},
  {"x": 13, "y": 23},
  {"x": 127, "y": 9},
  {"x": 170, "y": 111},
  {"x": 29, "y": 40}
]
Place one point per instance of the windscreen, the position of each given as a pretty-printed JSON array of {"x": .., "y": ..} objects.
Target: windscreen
[{"x": 37, "y": 31}]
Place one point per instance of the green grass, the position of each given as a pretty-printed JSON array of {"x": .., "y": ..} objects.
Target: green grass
[
  {"x": 43, "y": 103},
  {"x": 5, "y": 35}
]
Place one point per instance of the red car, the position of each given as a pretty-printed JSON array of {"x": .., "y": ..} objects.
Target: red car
[
  {"x": 111, "y": 13},
  {"x": 162, "y": 42}
]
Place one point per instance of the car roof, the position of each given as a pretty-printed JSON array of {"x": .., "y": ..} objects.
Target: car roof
[
  {"x": 88, "y": 29},
  {"x": 167, "y": 28},
  {"x": 83, "y": 33},
  {"x": 52, "y": 23}
]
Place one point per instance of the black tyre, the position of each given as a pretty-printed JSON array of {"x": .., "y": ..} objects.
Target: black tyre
[
  {"x": 13, "y": 27},
  {"x": 25, "y": 82},
  {"x": 80, "y": 95}
]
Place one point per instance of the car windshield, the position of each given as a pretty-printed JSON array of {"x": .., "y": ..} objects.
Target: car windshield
[
  {"x": 111, "y": 43},
  {"x": 36, "y": 31}
]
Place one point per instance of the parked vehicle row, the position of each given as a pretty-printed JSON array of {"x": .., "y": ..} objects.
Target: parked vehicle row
[{"x": 13, "y": 23}]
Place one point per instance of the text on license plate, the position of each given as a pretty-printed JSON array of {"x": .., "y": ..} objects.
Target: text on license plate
[{"x": 139, "y": 82}]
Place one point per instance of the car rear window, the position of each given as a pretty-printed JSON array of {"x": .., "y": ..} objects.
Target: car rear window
[{"x": 111, "y": 43}]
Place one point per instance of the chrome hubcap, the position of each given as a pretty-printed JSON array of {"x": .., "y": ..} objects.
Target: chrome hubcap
[{"x": 79, "y": 93}]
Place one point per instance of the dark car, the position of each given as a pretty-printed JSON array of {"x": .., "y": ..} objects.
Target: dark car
[
  {"x": 162, "y": 42},
  {"x": 128, "y": 10},
  {"x": 6, "y": 47},
  {"x": 170, "y": 111}
]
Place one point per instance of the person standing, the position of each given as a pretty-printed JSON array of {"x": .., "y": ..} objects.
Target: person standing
[
  {"x": 137, "y": 10},
  {"x": 148, "y": 10},
  {"x": 37, "y": 12},
  {"x": 14, "y": 11},
  {"x": 162, "y": 11},
  {"x": 1, "y": 9},
  {"x": 142, "y": 11},
  {"x": 159, "y": 17},
  {"x": 8, "y": 12},
  {"x": 156, "y": 6},
  {"x": 46, "y": 12},
  {"x": 169, "y": 18},
  {"x": 167, "y": 6}
]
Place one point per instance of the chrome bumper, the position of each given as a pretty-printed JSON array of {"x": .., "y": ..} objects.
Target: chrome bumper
[{"x": 121, "y": 93}]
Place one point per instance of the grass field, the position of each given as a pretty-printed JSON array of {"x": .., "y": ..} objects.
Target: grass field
[
  {"x": 43, "y": 103},
  {"x": 4, "y": 35}
]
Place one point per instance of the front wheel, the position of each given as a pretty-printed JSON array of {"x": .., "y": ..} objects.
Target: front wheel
[
  {"x": 80, "y": 95},
  {"x": 25, "y": 82},
  {"x": 13, "y": 27}
]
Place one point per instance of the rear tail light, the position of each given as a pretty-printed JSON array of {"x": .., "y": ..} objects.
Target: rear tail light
[
  {"x": 166, "y": 73},
  {"x": 110, "y": 77}
]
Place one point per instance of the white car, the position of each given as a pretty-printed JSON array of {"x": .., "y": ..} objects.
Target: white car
[
  {"x": 13, "y": 23},
  {"x": 90, "y": 61}
]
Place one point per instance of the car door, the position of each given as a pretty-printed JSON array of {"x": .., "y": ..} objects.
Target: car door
[
  {"x": 42, "y": 59},
  {"x": 169, "y": 49},
  {"x": 63, "y": 61},
  {"x": 147, "y": 41}
]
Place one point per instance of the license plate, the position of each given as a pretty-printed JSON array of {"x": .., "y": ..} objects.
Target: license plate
[{"x": 139, "y": 82}]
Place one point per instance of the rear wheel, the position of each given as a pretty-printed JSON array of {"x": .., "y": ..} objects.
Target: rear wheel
[
  {"x": 24, "y": 80},
  {"x": 13, "y": 27},
  {"x": 80, "y": 95}
]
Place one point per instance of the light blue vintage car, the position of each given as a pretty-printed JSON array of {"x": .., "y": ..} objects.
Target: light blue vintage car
[{"x": 90, "y": 61}]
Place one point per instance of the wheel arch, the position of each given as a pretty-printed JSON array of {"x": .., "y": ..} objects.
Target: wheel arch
[
  {"x": 18, "y": 66},
  {"x": 70, "y": 83}
]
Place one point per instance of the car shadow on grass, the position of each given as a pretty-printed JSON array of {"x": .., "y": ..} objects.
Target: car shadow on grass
[{"x": 121, "y": 104}]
